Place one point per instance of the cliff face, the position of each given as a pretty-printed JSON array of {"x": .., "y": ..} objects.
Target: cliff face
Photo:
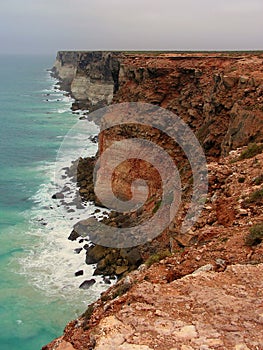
[
  {"x": 219, "y": 96},
  {"x": 199, "y": 296},
  {"x": 90, "y": 77},
  {"x": 164, "y": 306}
]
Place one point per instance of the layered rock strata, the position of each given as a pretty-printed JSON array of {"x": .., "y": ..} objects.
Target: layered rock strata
[
  {"x": 163, "y": 304},
  {"x": 90, "y": 77}
]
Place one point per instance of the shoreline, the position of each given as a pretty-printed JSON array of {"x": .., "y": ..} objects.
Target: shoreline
[{"x": 222, "y": 103}]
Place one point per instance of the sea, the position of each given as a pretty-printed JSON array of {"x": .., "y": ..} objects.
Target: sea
[{"x": 39, "y": 292}]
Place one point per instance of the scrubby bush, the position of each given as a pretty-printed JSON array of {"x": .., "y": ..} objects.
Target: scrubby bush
[
  {"x": 256, "y": 197},
  {"x": 157, "y": 257},
  {"x": 255, "y": 235},
  {"x": 252, "y": 150},
  {"x": 258, "y": 180}
]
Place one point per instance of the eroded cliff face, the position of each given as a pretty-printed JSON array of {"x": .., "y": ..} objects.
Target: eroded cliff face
[
  {"x": 164, "y": 306},
  {"x": 219, "y": 96},
  {"x": 90, "y": 77},
  {"x": 199, "y": 295}
]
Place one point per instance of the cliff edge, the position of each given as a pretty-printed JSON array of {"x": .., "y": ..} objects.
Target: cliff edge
[{"x": 193, "y": 291}]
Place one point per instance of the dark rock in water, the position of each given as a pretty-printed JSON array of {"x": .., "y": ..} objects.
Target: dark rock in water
[
  {"x": 58, "y": 195},
  {"x": 70, "y": 210},
  {"x": 77, "y": 250},
  {"x": 65, "y": 189},
  {"x": 95, "y": 253},
  {"x": 79, "y": 273},
  {"x": 97, "y": 211},
  {"x": 94, "y": 139},
  {"x": 132, "y": 255},
  {"x": 73, "y": 236},
  {"x": 82, "y": 118},
  {"x": 87, "y": 284},
  {"x": 106, "y": 280}
]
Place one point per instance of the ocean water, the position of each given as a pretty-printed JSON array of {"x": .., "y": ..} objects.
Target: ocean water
[{"x": 39, "y": 293}]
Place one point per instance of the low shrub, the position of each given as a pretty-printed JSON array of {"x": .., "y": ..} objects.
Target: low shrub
[
  {"x": 256, "y": 197},
  {"x": 258, "y": 180},
  {"x": 255, "y": 235},
  {"x": 251, "y": 151},
  {"x": 157, "y": 257}
]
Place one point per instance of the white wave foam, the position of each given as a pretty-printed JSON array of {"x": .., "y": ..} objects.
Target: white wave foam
[{"x": 51, "y": 263}]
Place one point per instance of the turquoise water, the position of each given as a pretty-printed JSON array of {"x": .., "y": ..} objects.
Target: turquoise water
[{"x": 39, "y": 293}]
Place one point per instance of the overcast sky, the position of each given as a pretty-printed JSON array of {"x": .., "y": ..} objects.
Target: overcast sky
[{"x": 45, "y": 26}]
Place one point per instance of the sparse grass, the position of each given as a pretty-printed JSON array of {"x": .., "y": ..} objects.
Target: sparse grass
[
  {"x": 223, "y": 239},
  {"x": 255, "y": 235},
  {"x": 87, "y": 314},
  {"x": 232, "y": 69},
  {"x": 256, "y": 197},
  {"x": 157, "y": 206},
  {"x": 122, "y": 289},
  {"x": 157, "y": 257},
  {"x": 251, "y": 151},
  {"x": 258, "y": 180}
]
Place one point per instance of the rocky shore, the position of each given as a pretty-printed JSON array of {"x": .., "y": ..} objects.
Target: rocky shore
[{"x": 191, "y": 291}]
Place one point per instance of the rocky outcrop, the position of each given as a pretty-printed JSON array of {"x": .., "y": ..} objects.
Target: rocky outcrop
[
  {"x": 90, "y": 77},
  {"x": 203, "y": 310},
  {"x": 194, "y": 291},
  {"x": 220, "y": 96},
  {"x": 200, "y": 295}
]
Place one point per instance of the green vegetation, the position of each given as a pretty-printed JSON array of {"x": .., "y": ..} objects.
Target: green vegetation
[
  {"x": 251, "y": 151},
  {"x": 119, "y": 291},
  {"x": 256, "y": 197},
  {"x": 241, "y": 180},
  {"x": 122, "y": 289},
  {"x": 255, "y": 235},
  {"x": 87, "y": 314},
  {"x": 157, "y": 257},
  {"x": 157, "y": 206},
  {"x": 258, "y": 180}
]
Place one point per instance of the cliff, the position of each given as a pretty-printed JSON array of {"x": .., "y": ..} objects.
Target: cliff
[
  {"x": 164, "y": 305},
  {"x": 218, "y": 95},
  {"x": 90, "y": 77},
  {"x": 199, "y": 296}
]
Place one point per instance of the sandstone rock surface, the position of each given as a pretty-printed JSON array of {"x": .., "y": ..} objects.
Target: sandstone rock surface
[{"x": 209, "y": 310}]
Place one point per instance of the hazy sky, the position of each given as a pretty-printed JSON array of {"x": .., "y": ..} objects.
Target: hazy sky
[{"x": 45, "y": 26}]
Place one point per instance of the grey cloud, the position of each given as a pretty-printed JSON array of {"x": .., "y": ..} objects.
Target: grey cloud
[{"x": 49, "y": 25}]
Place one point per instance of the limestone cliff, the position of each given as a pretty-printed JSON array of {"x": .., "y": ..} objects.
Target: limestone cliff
[
  {"x": 162, "y": 305},
  {"x": 219, "y": 95},
  {"x": 90, "y": 77}
]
